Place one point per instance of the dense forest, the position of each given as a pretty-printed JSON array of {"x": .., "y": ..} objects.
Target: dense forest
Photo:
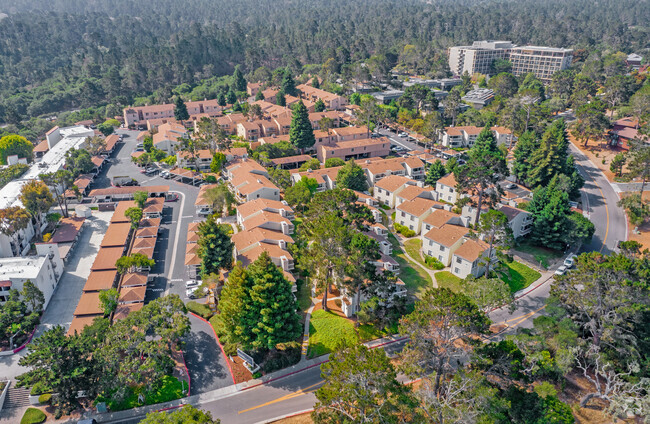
[{"x": 91, "y": 53}]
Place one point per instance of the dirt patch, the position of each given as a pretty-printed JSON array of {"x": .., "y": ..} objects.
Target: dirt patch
[
  {"x": 597, "y": 151},
  {"x": 239, "y": 371},
  {"x": 298, "y": 419}
]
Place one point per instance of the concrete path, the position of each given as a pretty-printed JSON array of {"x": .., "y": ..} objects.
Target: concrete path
[
  {"x": 305, "y": 334},
  {"x": 415, "y": 262}
]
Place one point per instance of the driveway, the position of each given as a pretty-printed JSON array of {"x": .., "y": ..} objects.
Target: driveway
[{"x": 66, "y": 296}]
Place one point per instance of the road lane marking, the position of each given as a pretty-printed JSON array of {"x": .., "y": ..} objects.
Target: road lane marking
[
  {"x": 289, "y": 396},
  {"x": 520, "y": 318},
  {"x": 176, "y": 241}
]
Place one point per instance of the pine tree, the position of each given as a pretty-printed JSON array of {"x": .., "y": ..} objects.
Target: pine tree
[
  {"x": 221, "y": 99},
  {"x": 352, "y": 177},
  {"x": 550, "y": 158},
  {"x": 288, "y": 84},
  {"x": 231, "y": 97},
  {"x": 272, "y": 311},
  {"x": 301, "y": 133},
  {"x": 526, "y": 146},
  {"x": 234, "y": 299},
  {"x": 259, "y": 95},
  {"x": 280, "y": 100},
  {"x": 239, "y": 83},
  {"x": 319, "y": 106},
  {"x": 180, "y": 110},
  {"x": 315, "y": 83},
  {"x": 434, "y": 173},
  {"x": 550, "y": 211},
  {"x": 215, "y": 247}
]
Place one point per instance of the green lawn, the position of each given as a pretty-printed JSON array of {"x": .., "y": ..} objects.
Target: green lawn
[
  {"x": 446, "y": 279},
  {"x": 416, "y": 278},
  {"x": 33, "y": 416},
  {"x": 413, "y": 247},
  {"x": 327, "y": 331},
  {"x": 304, "y": 296},
  {"x": 542, "y": 255},
  {"x": 171, "y": 388},
  {"x": 519, "y": 276}
]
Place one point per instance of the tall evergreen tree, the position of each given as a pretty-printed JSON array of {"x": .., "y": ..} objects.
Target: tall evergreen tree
[
  {"x": 434, "y": 173},
  {"x": 259, "y": 95},
  {"x": 288, "y": 84},
  {"x": 550, "y": 158},
  {"x": 526, "y": 146},
  {"x": 319, "y": 106},
  {"x": 485, "y": 166},
  {"x": 180, "y": 110},
  {"x": 280, "y": 99},
  {"x": 352, "y": 177},
  {"x": 221, "y": 100},
  {"x": 315, "y": 83},
  {"x": 234, "y": 299},
  {"x": 238, "y": 83},
  {"x": 272, "y": 313},
  {"x": 215, "y": 247},
  {"x": 550, "y": 211},
  {"x": 301, "y": 133}
]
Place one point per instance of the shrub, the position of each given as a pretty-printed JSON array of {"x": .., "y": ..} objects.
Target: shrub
[
  {"x": 338, "y": 303},
  {"x": 284, "y": 355},
  {"x": 39, "y": 388},
  {"x": 199, "y": 309},
  {"x": 230, "y": 348},
  {"x": 433, "y": 263},
  {"x": 211, "y": 179},
  {"x": 47, "y": 237},
  {"x": 33, "y": 416},
  {"x": 45, "y": 398},
  {"x": 405, "y": 231}
]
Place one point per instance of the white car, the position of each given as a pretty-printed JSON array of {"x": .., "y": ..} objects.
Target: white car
[
  {"x": 561, "y": 270},
  {"x": 192, "y": 284},
  {"x": 403, "y": 134},
  {"x": 568, "y": 262},
  {"x": 191, "y": 293}
]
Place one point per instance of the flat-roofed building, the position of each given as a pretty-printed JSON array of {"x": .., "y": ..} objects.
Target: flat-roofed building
[
  {"x": 355, "y": 149},
  {"x": 44, "y": 271}
]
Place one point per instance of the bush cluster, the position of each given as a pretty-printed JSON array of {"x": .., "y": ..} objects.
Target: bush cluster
[
  {"x": 403, "y": 230},
  {"x": 433, "y": 263}
]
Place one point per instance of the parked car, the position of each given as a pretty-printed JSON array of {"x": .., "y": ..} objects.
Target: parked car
[
  {"x": 165, "y": 174},
  {"x": 561, "y": 270},
  {"x": 172, "y": 197},
  {"x": 191, "y": 293},
  {"x": 191, "y": 284},
  {"x": 568, "y": 262},
  {"x": 511, "y": 186},
  {"x": 403, "y": 134}
]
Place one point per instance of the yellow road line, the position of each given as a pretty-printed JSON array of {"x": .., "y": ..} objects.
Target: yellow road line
[
  {"x": 285, "y": 397},
  {"x": 520, "y": 318}
]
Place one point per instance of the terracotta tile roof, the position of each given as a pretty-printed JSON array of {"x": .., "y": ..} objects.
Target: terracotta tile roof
[
  {"x": 132, "y": 294},
  {"x": 122, "y": 311},
  {"x": 89, "y": 304},
  {"x": 392, "y": 182},
  {"x": 78, "y": 323},
  {"x": 417, "y": 206},
  {"x": 147, "y": 232},
  {"x": 193, "y": 226},
  {"x": 273, "y": 250},
  {"x": 83, "y": 181},
  {"x": 262, "y": 218},
  {"x": 192, "y": 248},
  {"x": 501, "y": 130},
  {"x": 410, "y": 192},
  {"x": 245, "y": 239},
  {"x": 345, "y": 131},
  {"x": 249, "y": 208},
  {"x": 134, "y": 279},
  {"x": 201, "y": 199},
  {"x": 100, "y": 280},
  {"x": 67, "y": 230},
  {"x": 440, "y": 217},
  {"x": 97, "y": 160},
  {"x": 154, "y": 205},
  {"x": 471, "y": 250},
  {"x": 150, "y": 222},
  {"x": 448, "y": 180},
  {"x": 145, "y": 242},
  {"x": 200, "y": 154},
  {"x": 111, "y": 141},
  {"x": 192, "y": 259},
  {"x": 379, "y": 143},
  {"x": 118, "y": 214},
  {"x": 137, "y": 154},
  {"x": 291, "y": 159},
  {"x": 41, "y": 147},
  {"x": 147, "y": 251},
  {"x": 192, "y": 237},
  {"x": 116, "y": 234},
  {"x": 447, "y": 235},
  {"x": 106, "y": 258}
]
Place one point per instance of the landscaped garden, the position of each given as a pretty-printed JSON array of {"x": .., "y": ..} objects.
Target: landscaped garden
[
  {"x": 416, "y": 278},
  {"x": 541, "y": 255}
]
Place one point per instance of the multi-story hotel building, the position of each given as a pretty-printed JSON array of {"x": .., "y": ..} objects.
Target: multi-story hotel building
[{"x": 480, "y": 56}]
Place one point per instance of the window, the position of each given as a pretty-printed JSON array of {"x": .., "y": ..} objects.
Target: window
[
  {"x": 410, "y": 227},
  {"x": 428, "y": 227},
  {"x": 403, "y": 214},
  {"x": 459, "y": 261},
  {"x": 442, "y": 248},
  {"x": 440, "y": 257},
  {"x": 456, "y": 270}
]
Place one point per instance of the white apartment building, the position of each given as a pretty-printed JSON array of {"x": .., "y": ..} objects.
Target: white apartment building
[{"x": 479, "y": 57}]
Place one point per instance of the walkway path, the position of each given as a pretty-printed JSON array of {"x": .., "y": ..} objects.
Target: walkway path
[
  {"x": 416, "y": 263},
  {"x": 305, "y": 334}
]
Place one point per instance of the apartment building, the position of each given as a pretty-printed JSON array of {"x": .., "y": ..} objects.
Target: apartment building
[
  {"x": 229, "y": 122},
  {"x": 479, "y": 98},
  {"x": 446, "y": 189},
  {"x": 166, "y": 139},
  {"x": 465, "y": 136},
  {"x": 137, "y": 116},
  {"x": 331, "y": 100},
  {"x": 250, "y": 209},
  {"x": 377, "y": 169},
  {"x": 43, "y": 270},
  {"x": 471, "y": 258},
  {"x": 247, "y": 185},
  {"x": 520, "y": 221},
  {"x": 479, "y": 58},
  {"x": 386, "y": 189},
  {"x": 355, "y": 149},
  {"x": 442, "y": 242},
  {"x": 412, "y": 192},
  {"x": 412, "y": 213},
  {"x": 325, "y": 177}
]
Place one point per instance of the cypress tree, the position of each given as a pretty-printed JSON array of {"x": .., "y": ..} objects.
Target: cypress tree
[
  {"x": 180, "y": 110},
  {"x": 352, "y": 177},
  {"x": 233, "y": 301},
  {"x": 434, "y": 173},
  {"x": 526, "y": 146},
  {"x": 550, "y": 158},
  {"x": 288, "y": 84},
  {"x": 301, "y": 133},
  {"x": 239, "y": 83},
  {"x": 215, "y": 247}
]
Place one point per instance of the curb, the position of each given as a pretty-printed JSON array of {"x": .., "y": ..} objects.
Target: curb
[
  {"x": 281, "y": 417},
  {"x": 220, "y": 347}
]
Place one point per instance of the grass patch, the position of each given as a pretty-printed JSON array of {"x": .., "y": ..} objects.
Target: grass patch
[
  {"x": 171, "y": 388},
  {"x": 542, "y": 255},
  {"x": 447, "y": 280},
  {"x": 384, "y": 207},
  {"x": 33, "y": 416},
  {"x": 519, "y": 276},
  {"x": 327, "y": 331},
  {"x": 304, "y": 296},
  {"x": 412, "y": 247},
  {"x": 199, "y": 309},
  {"x": 416, "y": 278},
  {"x": 369, "y": 332}
]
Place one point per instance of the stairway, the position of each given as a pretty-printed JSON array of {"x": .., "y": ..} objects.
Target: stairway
[{"x": 17, "y": 397}]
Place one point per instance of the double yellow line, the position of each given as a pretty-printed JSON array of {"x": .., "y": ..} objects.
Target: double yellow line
[{"x": 286, "y": 397}]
